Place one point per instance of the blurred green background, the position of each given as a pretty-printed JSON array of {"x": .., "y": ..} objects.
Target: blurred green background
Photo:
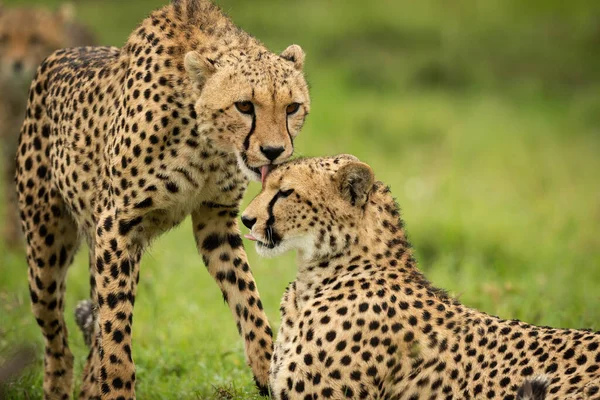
[{"x": 484, "y": 117}]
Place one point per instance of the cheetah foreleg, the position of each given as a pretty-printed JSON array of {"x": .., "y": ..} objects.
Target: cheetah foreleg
[{"x": 218, "y": 240}]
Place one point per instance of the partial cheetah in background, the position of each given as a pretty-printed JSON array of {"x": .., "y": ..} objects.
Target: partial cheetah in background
[
  {"x": 27, "y": 36},
  {"x": 361, "y": 322},
  {"x": 120, "y": 145}
]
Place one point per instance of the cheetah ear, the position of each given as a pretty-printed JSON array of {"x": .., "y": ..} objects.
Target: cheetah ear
[
  {"x": 66, "y": 12},
  {"x": 355, "y": 181},
  {"x": 199, "y": 68},
  {"x": 295, "y": 54}
]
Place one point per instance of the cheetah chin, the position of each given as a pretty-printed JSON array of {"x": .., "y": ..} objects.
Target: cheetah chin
[{"x": 303, "y": 243}]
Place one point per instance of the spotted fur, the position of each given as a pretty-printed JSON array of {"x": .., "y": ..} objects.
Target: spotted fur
[
  {"x": 27, "y": 36},
  {"x": 361, "y": 321},
  {"x": 120, "y": 145}
]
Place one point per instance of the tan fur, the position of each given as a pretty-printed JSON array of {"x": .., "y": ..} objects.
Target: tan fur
[
  {"x": 27, "y": 36},
  {"x": 361, "y": 322},
  {"x": 119, "y": 146}
]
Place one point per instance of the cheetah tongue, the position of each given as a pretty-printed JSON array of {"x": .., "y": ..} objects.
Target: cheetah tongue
[
  {"x": 264, "y": 172},
  {"x": 250, "y": 237}
]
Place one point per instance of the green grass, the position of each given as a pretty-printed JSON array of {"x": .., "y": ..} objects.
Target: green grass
[{"x": 482, "y": 118}]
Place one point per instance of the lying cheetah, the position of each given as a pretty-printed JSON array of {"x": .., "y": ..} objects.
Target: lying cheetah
[
  {"x": 360, "y": 321},
  {"x": 120, "y": 145},
  {"x": 27, "y": 36}
]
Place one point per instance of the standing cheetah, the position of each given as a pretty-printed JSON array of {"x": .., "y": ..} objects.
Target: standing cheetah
[
  {"x": 120, "y": 145},
  {"x": 361, "y": 322},
  {"x": 27, "y": 36}
]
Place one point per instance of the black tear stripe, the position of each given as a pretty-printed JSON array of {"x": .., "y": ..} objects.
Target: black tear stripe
[
  {"x": 275, "y": 238},
  {"x": 289, "y": 134},
  {"x": 287, "y": 128},
  {"x": 252, "y": 128}
]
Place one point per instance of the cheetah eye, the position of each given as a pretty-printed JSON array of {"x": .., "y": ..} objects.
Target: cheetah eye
[
  {"x": 245, "y": 107},
  {"x": 292, "y": 108},
  {"x": 286, "y": 193}
]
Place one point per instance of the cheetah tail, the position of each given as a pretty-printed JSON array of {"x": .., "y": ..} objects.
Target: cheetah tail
[
  {"x": 84, "y": 316},
  {"x": 534, "y": 388}
]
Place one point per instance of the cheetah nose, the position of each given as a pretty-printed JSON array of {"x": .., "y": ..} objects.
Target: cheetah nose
[
  {"x": 248, "y": 222},
  {"x": 272, "y": 152},
  {"x": 18, "y": 66}
]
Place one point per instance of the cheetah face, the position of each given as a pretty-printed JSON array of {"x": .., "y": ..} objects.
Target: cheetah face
[
  {"x": 311, "y": 205},
  {"x": 27, "y": 36},
  {"x": 251, "y": 104}
]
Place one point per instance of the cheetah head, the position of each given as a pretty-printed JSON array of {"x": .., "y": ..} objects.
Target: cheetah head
[
  {"x": 311, "y": 205},
  {"x": 27, "y": 36},
  {"x": 252, "y": 103}
]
